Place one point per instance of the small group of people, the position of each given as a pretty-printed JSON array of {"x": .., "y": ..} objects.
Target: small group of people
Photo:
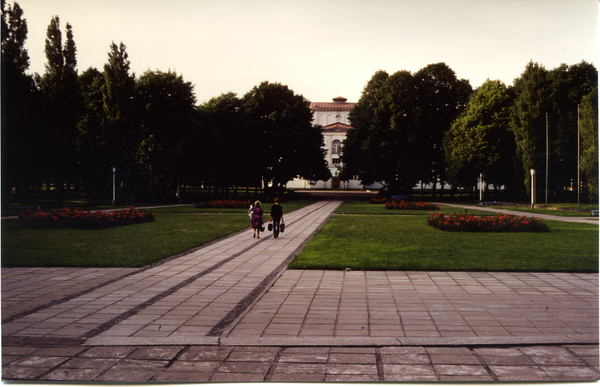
[{"x": 257, "y": 220}]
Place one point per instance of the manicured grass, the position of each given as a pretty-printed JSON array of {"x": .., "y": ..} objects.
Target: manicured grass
[
  {"x": 353, "y": 242},
  {"x": 176, "y": 229},
  {"x": 363, "y": 207},
  {"x": 546, "y": 211},
  {"x": 128, "y": 246}
]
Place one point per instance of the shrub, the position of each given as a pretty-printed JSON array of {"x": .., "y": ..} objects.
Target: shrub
[
  {"x": 402, "y": 205},
  {"x": 498, "y": 223},
  {"x": 69, "y": 218}
]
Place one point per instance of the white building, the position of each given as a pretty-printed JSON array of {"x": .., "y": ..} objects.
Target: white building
[{"x": 333, "y": 116}]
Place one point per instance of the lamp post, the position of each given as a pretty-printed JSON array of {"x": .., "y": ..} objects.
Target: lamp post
[
  {"x": 113, "y": 202},
  {"x": 532, "y": 188}
]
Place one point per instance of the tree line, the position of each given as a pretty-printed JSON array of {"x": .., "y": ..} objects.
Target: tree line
[
  {"x": 63, "y": 129},
  {"x": 433, "y": 128}
]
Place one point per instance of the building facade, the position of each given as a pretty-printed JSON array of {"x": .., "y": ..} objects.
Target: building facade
[{"x": 333, "y": 116}]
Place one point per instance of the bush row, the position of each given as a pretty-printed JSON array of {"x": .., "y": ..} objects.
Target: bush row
[
  {"x": 69, "y": 218},
  {"x": 402, "y": 205},
  {"x": 498, "y": 223}
]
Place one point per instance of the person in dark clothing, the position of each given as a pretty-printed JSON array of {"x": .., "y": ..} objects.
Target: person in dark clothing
[{"x": 276, "y": 217}]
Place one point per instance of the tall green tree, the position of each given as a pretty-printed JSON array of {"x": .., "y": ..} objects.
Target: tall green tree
[
  {"x": 398, "y": 127},
  {"x": 122, "y": 128},
  {"x": 481, "y": 140},
  {"x": 589, "y": 142},
  {"x": 60, "y": 88},
  {"x": 568, "y": 85},
  {"x": 166, "y": 109},
  {"x": 225, "y": 160},
  {"x": 21, "y": 144},
  {"x": 528, "y": 119},
  {"x": 354, "y": 159},
  {"x": 91, "y": 138},
  {"x": 441, "y": 97},
  {"x": 285, "y": 143}
]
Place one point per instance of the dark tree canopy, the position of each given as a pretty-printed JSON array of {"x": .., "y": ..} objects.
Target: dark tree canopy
[
  {"x": 399, "y": 124},
  {"x": 286, "y": 144},
  {"x": 481, "y": 140}
]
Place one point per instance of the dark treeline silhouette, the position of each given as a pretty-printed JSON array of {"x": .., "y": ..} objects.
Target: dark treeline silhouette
[
  {"x": 64, "y": 130},
  {"x": 432, "y": 128},
  {"x": 69, "y": 130}
]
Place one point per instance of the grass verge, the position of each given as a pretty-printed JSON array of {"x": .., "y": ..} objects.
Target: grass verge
[
  {"x": 176, "y": 229},
  {"x": 407, "y": 243},
  {"x": 128, "y": 246}
]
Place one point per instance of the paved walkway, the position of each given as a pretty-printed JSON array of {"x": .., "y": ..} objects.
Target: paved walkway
[{"x": 230, "y": 311}]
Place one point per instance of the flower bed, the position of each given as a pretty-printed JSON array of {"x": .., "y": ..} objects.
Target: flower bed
[
  {"x": 498, "y": 223},
  {"x": 378, "y": 200},
  {"x": 225, "y": 203},
  {"x": 402, "y": 205},
  {"x": 69, "y": 218}
]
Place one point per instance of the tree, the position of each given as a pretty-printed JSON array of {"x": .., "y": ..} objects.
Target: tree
[
  {"x": 441, "y": 97},
  {"x": 285, "y": 144},
  {"x": 568, "y": 85},
  {"x": 589, "y": 141},
  {"x": 21, "y": 144},
  {"x": 226, "y": 157},
  {"x": 528, "y": 119},
  {"x": 119, "y": 84},
  {"x": 361, "y": 117},
  {"x": 481, "y": 141},
  {"x": 61, "y": 102},
  {"x": 398, "y": 127},
  {"x": 166, "y": 108},
  {"x": 91, "y": 138},
  {"x": 553, "y": 94}
]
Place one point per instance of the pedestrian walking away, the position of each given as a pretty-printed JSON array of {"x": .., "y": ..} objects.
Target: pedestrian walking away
[
  {"x": 256, "y": 222},
  {"x": 276, "y": 217}
]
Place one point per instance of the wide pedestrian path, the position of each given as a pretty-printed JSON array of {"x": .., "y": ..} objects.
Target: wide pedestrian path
[{"x": 230, "y": 311}]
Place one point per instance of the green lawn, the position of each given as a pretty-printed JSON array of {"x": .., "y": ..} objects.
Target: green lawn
[
  {"x": 128, "y": 246},
  {"x": 365, "y": 208},
  {"x": 377, "y": 242},
  {"x": 175, "y": 230}
]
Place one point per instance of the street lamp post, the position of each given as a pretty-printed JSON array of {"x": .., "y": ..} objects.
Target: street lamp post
[
  {"x": 533, "y": 188},
  {"x": 113, "y": 202}
]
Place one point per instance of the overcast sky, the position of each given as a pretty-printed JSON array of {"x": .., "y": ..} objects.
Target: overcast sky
[{"x": 319, "y": 48}]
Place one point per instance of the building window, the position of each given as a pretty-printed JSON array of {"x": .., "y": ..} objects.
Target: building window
[
  {"x": 336, "y": 147},
  {"x": 336, "y": 162}
]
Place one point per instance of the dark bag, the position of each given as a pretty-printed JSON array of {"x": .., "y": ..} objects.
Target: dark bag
[
  {"x": 262, "y": 227},
  {"x": 270, "y": 226},
  {"x": 282, "y": 227}
]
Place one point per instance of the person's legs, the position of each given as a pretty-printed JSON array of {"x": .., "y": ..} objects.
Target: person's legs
[{"x": 276, "y": 227}]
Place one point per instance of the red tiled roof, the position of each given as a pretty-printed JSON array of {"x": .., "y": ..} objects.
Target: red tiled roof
[
  {"x": 336, "y": 127},
  {"x": 331, "y": 106}
]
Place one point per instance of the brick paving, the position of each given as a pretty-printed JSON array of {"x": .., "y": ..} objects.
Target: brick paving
[{"x": 229, "y": 311}]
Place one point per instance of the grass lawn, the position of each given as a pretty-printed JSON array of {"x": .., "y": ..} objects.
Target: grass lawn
[
  {"x": 382, "y": 241},
  {"x": 175, "y": 230},
  {"x": 409, "y": 243},
  {"x": 128, "y": 246},
  {"x": 365, "y": 208}
]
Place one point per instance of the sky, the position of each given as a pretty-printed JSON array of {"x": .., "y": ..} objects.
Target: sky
[{"x": 320, "y": 49}]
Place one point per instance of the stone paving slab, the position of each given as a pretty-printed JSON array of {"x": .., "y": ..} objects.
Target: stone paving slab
[
  {"x": 430, "y": 307},
  {"x": 229, "y": 312},
  {"x": 188, "y": 363},
  {"x": 184, "y": 297}
]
